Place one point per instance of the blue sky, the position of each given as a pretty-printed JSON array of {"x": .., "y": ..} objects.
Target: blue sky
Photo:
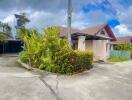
[{"x": 86, "y": 13}]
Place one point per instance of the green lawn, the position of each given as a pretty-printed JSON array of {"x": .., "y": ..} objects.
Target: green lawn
[{"x": 117, "y": 59}]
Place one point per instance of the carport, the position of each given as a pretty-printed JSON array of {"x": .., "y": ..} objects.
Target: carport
[{"x": 11, "y": 46}]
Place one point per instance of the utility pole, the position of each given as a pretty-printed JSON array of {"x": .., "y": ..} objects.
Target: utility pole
[{"x": 69, "y": 17}]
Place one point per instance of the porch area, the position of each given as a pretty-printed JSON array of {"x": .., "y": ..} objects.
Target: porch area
[{"x": 99, "y": 45}]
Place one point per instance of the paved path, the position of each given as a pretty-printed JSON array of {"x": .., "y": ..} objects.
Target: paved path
[
  {"x": 103, "y": 82},
  {"x": 17, "y": 83}
]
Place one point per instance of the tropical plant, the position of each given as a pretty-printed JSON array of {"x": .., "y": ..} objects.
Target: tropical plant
[
  {"x": 5, "y": 31},
  {"x": 3, "y": 37},
  {"x": 34, "y": 46},
  {"x": 50, "y": 52}
]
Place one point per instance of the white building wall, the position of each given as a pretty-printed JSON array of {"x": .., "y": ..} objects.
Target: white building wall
[{"x": 81, "y": 43}]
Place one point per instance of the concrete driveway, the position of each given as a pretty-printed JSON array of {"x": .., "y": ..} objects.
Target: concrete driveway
[{"x": 103, "y": 82}]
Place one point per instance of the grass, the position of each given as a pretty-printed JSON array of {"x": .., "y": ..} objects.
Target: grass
[{"x": 117, "y": 59}]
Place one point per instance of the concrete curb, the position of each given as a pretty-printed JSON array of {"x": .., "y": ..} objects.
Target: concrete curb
[
  {"x": 36, "y": 70},
  {"x": 25, "y": 65},
  {"x": 45, "y": 73}
]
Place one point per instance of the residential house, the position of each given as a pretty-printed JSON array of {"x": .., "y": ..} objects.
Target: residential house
[
  {"x": 96, "y": 39},
  {"x": 121, "y": 40}
]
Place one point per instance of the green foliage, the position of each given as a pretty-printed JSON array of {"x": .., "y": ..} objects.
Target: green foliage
[
  {"x": 53, "y": 41},
  {"x": 65, "y": 60},
  {"x": 34, "y": 47},
  {"x": 52, "y": 53},
  {"x": 127, "y": 47},
  {"x": 23, "y": 56},
  {"x": 69, "y": 61},
  {"x": 117, "y": 59},
  {"x": 5, "y": 30},
  {"x": 3, "y": 37},
  {"x": 84, "y": 60},
  {"x": 124, "y": 47}
]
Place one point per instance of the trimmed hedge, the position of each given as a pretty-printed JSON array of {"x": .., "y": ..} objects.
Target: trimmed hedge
[
  {"x": 65, "y": 60},
  {"x": 69, "y": 61},
  {"x": 84, "y": 60}
]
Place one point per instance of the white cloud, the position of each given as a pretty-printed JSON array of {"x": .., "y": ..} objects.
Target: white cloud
[
  {"x": 9, "y": 19},
  {"x": 122, "y": 30},
  {"x": 125, "y": 16},
  {"x": 41, "y": 19},
  {"x": 54, "y": 13}
]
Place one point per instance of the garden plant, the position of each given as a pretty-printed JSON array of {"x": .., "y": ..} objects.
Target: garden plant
[{"x": 49, "y": 52}]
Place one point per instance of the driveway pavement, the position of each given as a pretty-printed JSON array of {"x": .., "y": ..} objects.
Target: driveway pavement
[{"x": 103, "y": 82}]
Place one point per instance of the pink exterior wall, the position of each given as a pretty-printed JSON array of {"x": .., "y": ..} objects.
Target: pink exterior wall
[
  {"x": 89, "y": 45},
  {"x": 100, "y": 48}
]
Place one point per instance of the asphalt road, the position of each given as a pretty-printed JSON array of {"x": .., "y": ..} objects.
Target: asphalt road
[{"x": 103, "y": 82}]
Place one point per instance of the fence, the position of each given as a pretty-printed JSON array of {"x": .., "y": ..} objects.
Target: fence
[{"x": 120, "y": 54}]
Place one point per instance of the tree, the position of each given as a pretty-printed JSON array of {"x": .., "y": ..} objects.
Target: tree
[
  {"x": 5, "y": 29},
  {"x": 22, "y": 20}
]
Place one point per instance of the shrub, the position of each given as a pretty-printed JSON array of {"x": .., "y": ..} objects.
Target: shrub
[
  {"x": 23, "y": 57},
  {"x": 52, "y": 53},
  {"x": 84, "y": 60},
  {"x": 65, "y": 60},
  {"x": 34, "y": 47},
  {"x": 69, "y": 61}
]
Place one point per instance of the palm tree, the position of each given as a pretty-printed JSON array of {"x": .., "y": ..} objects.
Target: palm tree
[
  {"x": 5, "y": 29},
  {"x": 1, "y": 26},
  {"x": 5, "y": 32}
]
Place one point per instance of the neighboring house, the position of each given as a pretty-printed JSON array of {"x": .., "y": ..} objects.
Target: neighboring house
[
  {"x": 121, "y": 40},
  {"x": 96, "y": 39}
]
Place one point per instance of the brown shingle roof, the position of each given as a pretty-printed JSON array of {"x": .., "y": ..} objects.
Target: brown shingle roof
[
  {"x": 89, "y": 31},
  {"x": 64, "y": 31},
  {"x": 123, "y": 40},
  {"x": 93, "y": 30}
]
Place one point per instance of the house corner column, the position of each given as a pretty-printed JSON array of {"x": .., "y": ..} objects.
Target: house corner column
[{"x": 81, "y": 43}]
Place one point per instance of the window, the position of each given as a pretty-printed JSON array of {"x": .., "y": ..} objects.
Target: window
[{"x": 102, "y": 32}]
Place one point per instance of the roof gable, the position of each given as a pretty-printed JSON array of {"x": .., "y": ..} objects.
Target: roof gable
[
  {"x": 96, "y": 30},
  {"x": 93, "y": 31}
]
